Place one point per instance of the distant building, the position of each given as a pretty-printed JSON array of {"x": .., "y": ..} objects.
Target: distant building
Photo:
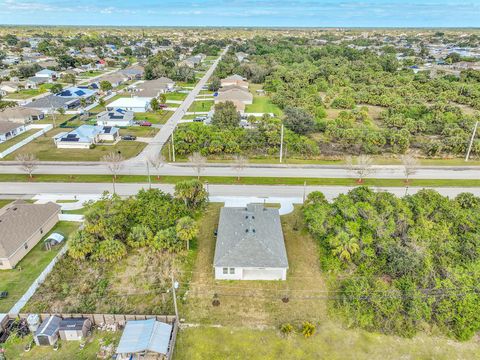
[
  {"x": 85, "y": 136},
  {"x": 50, "y": 75},
  {"x": 135, "y": 104},
  {"x": 134, "y": 72},
  {"x": 236, "y": 80},
  {"x": 116, "y": 117},
  {"x": 21, "y": 115},
  {"x": 250, "y": 244},
  {"x": 22, "y": 226}
]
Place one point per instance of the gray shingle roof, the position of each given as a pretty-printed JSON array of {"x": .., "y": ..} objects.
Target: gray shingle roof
[
  {"x": 250, "y": 237},
  {"x": 6, "y": 126},
  {"x": 19, "y": 221}
]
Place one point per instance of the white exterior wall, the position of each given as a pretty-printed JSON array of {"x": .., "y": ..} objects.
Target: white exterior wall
[
  {"x": 115, "y": 123},
  {"x": 72, "y": 145},
  {"x": 252, "y": 274},
  {"x": 13, "y": 133},
  {"x": 134, "y": 109}
]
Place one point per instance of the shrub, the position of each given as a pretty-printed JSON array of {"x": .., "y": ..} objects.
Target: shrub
[
  {"x": 286, "y": 329},
  {"x": 308, "y": 329}
]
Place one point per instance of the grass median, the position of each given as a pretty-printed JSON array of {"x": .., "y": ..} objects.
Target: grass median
[{"x": 231, "y": 180}]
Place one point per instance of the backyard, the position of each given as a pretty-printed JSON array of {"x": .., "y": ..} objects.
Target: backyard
[
  {"x": 257, "y": 303},
  {"x": 18, "y": 280},
  {"x": 44, "y": 149},
  {"x": 261, "y": 103},
  {"x": 14, "y": 348}
]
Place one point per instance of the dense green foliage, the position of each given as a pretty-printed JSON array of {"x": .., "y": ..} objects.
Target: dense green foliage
[
  {"x": 427, "y": 109},
  {"x": 150, "y": 219},
  {"x": 399, "y": 264}
]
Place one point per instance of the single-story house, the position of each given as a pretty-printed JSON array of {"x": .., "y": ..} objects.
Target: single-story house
[
  {"x": 34, "y": 81},
  {"x": 53, "y": 102},
  {"x": 48, "y": 74},
  {"x": 250, "y": 244},
  {"x": 10, "y": 129},
  {"x": 134, "y": 72},
  {"x": 8, "y": 87},
  {"x": 153, "y": 88},
  {"x": 20, "y": 114},
  {"x": 143, "y": 337},
  {"x": 74, "y": 328},
  {"x": 116, "y": 117},
  {"x": 135, "y": 104},
  {"x": 85, "y": 136},
  {"x": 115, "y": 79},
  {"x": 234, "y": 80},
  {"x": 240, "y": 96},
  {"x": 47, "y": 333},
  {"x": 77, "y": 92},
  {"x": 22, "y": 226},
  {"x": 192, "y": 61}
]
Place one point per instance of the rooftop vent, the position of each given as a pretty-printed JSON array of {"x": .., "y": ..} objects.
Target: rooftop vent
[{"x": 246, "y": 230}]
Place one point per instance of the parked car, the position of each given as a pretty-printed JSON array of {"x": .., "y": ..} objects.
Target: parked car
[
  {"x": 129, "y": 137},
  {"x": 145, "y": 123},
  {"x": 162, "y": 106},
  {"x": 199, "y": 119}
]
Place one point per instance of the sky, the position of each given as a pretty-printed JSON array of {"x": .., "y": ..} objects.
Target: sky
[{"x": 246, "y": 13}]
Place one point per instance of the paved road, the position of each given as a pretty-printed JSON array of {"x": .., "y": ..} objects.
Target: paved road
[
  {"x": 154, "y": 148},
  {"x": 310, "y": 171},
  {"x": 18, "y": 189}
]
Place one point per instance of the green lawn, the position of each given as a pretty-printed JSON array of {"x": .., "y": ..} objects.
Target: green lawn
[
  {"x": 201, "y": 106},
  {"x": 9, "y": 143},
  {"x": 158, "y": 117},
  {"x": 261, "y": 103},
  {"x": 68, "y": 349},
  {"x": 90, "y": 74},
  {"x": 44, "y": 149},
  {"x": 17, "y": 281},
  {"x": 4, "y": 202},
  {"x": 331, "y": 342},
  {"x": 176, "y": 96},
  {"x": 25, "y": 94},
  {"x": 139, "y": 131}
]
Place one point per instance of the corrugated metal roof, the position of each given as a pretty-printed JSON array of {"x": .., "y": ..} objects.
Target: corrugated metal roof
[{"x": 145, "y": 335}]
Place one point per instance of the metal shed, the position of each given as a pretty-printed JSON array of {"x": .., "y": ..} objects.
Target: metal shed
[
  {"x": 74, "y": 328},
  {"x": 47, "y": 333},
  {"x": 144, "y": 336}
]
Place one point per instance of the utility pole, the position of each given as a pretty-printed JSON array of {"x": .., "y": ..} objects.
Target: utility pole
[
  {"x": 304, "y": 190},
  {"x": 148, "y": 173},
  {"x": 173, "y": 146},
  {"x": 174, "y": 285},
  {"x": 471, "y": 141},
  {"x": 281, "y": 144}
]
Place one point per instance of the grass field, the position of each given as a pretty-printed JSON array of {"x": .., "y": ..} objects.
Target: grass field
[
  {"x": 9, "y": 143},
  {"x": 261, "y": 103},
  {"x": 201, "y": 106},
  {"x": 18, "y": 280},
  {"x": 158, "y": 117},
  {"x": 68, "y": 349},
  {"x": 140, "y": 131},
  {"x": 176, "y": 96},
  {"x": 331, "y": 342},
  {"x": 44, "y": 149},
  {"x": 256, "y": 303},
  {"x": 227, "y": 180},
  {"x": 4, "y": 202},
  {"x": 26, "y": 94}
]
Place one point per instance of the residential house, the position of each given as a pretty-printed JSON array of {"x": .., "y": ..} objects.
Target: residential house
[
  {"x": 53, "y": 102},
  {"x": 116, "y": 117},
  {"x": 236, "y": 80},
  {"x": 20, "y": 114},
  {"x": 10, "y": 129},
  {"x": 48, "y": 64},
  {"x": 116, "y": 79},
  {"x": 134, "y": 72},
  {"x": 153, "y": 88},
  {"x": 22, "y": 226},
  {"x": 34, "y": 82},
  {"x": 135, "y": 104},
  {"x": 50, "y": 75},
  {"x": 145, "y": 339},
  {"x": 250, "y": 244},
  {"x": 8, "y": 87},
  {"x": 74, "y": 328},
  {"x": 193, "y": 61},
  {"x": 241, "y": 56},
  {"x": 239, "y": 95},
  {"x": 85, "y": 136}
]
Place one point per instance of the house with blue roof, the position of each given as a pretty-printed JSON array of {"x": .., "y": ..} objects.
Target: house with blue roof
[
  {"x": 77, "y": 92},
  {"x": 85, "y": 136}
]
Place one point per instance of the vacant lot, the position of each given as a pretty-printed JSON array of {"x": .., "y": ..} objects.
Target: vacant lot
[
  {"x": 18, "y": 280},
  {"x": 158, "y": 117},
  {"x": 44, "y": 149},
  {"x": 201, "y": 106},
  {"x": 176, "y": 96},
  {"x": 252, "y": 303},
  {"x": 331, "y": 342},
  {"x": 68, "y": 349}
]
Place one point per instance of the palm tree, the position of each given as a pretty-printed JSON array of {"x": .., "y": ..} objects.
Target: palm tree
[
  {"x": 186, "y": 229},
  {"x": 345, "y": 246}
]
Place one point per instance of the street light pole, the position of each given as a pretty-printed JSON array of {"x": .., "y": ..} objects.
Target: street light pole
[
  {"x": 281, "y": 143},
  {"x": 173, "y": 145}
]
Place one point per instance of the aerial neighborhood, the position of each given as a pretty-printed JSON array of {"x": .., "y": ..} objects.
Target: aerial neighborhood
[{"x": 239, "y": 193}]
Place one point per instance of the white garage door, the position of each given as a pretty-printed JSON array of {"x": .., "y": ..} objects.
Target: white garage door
[{"x": 262, "y": 274}]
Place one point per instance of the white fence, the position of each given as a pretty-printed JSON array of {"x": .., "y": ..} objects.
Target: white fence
[{"x": 44, "y": 128}]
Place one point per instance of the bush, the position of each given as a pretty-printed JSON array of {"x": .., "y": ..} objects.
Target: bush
[
  {"x": 308, "y": 329},
  {"x": 286, "y": 329}
]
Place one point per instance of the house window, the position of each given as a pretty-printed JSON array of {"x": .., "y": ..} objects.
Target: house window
[
  {"x": 225, "y": 271},
  {"x": 232, "y": 271}
]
